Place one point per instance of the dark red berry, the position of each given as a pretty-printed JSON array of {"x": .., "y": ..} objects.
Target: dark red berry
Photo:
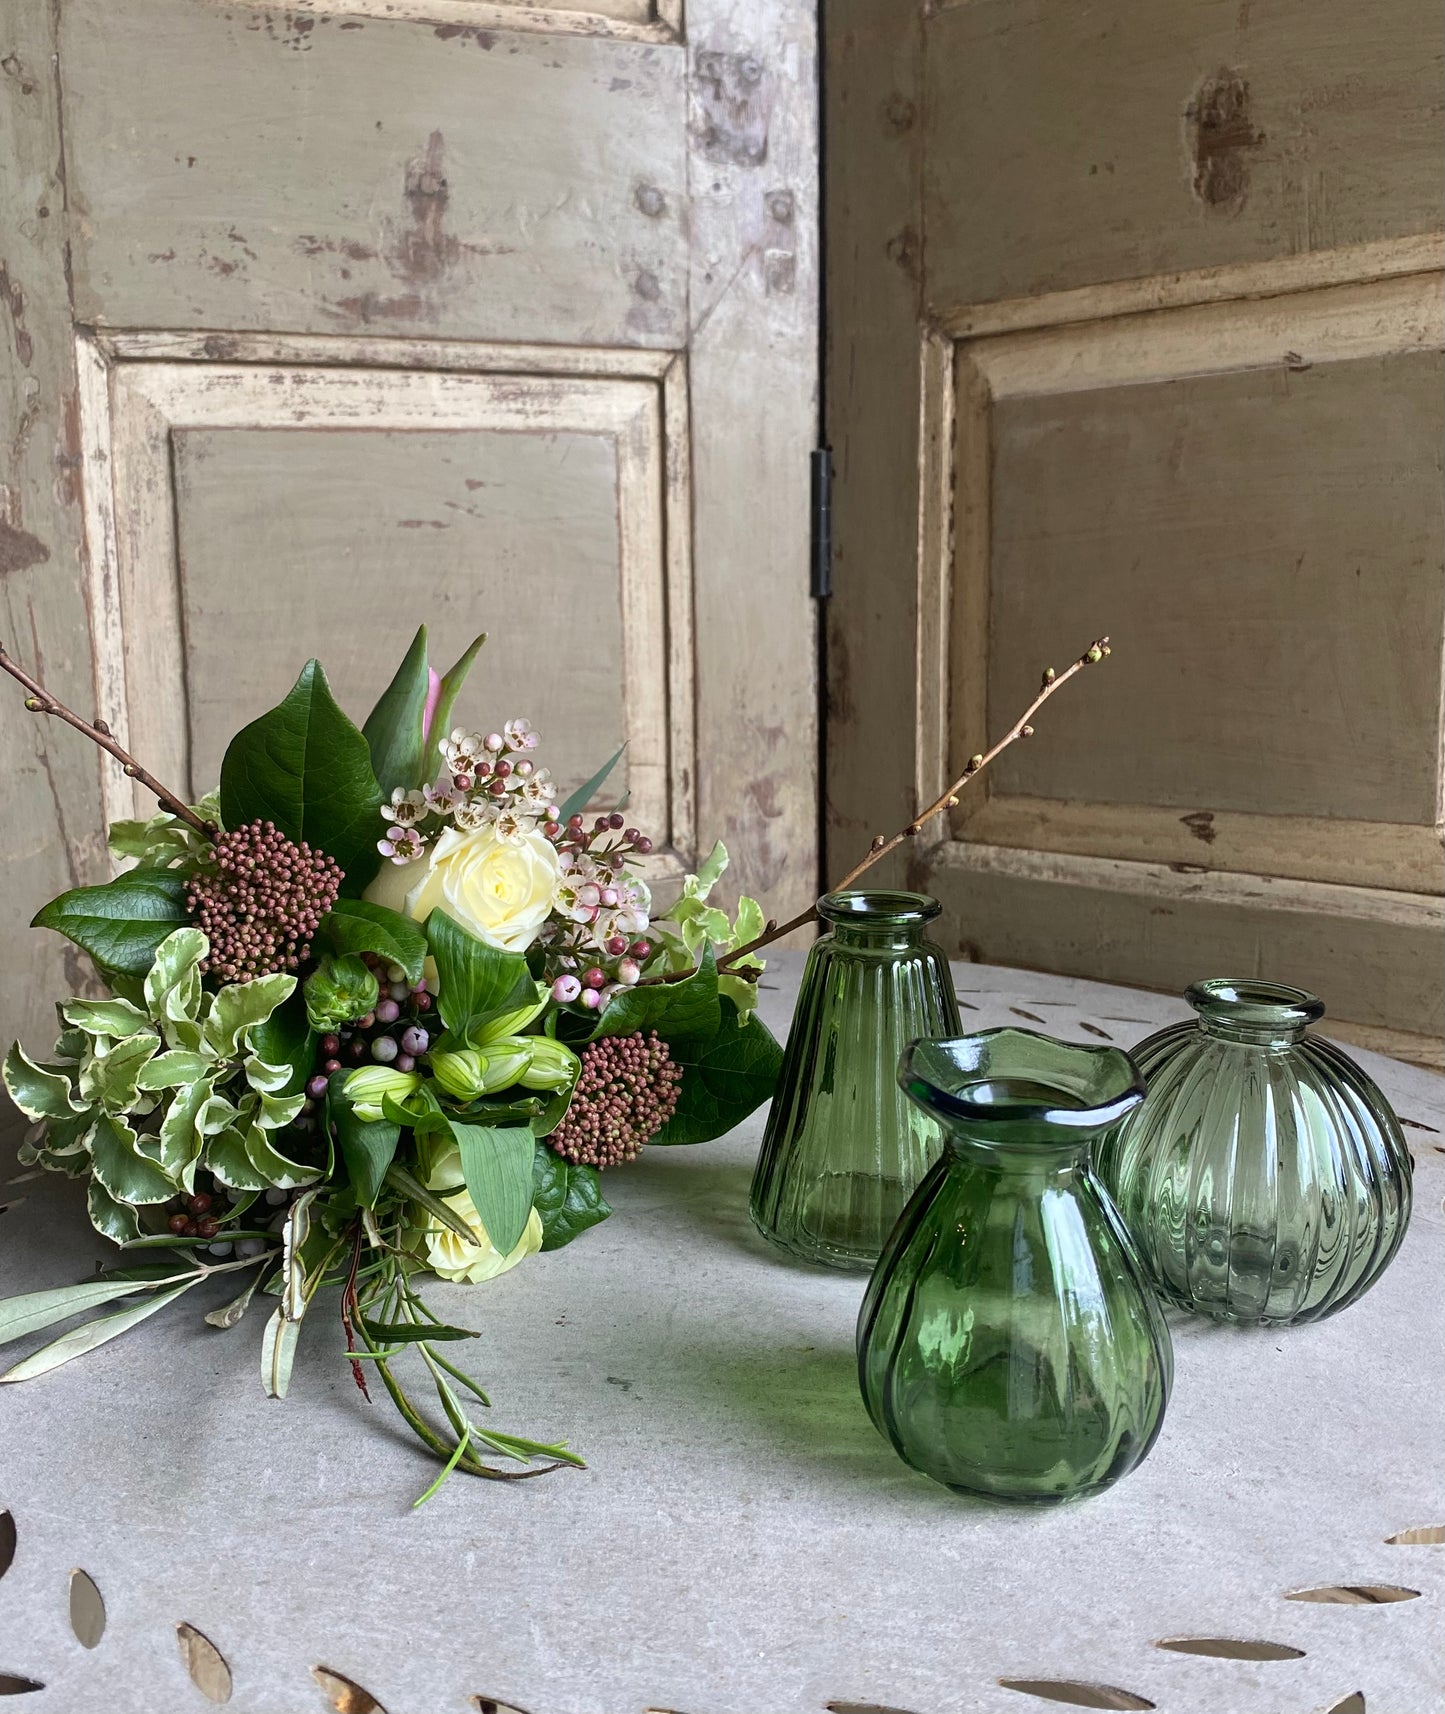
[
  {"x": 199, "y": 1203},
  {"x": 330, "y": 1046},
  {"x": 207, "y": 1228},
  {"x": 178, "y": 1223}
]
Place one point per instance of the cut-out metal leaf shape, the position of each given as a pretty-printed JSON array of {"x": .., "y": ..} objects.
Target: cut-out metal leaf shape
[
  {"x": 490, "y": 1705},
  {"x": 205, "y": 1663},
  {"x": 1231, "y": 1648},
  {"x": 1355, "y": 1594},
  {"x": 87, "y": 1610},
  {"x": 7, "y": 1541},
  {"x": 1354, "y": 1703},
  {"x": 347, "y": 1696},
  {"x": 1427, "y": 1535},
  {"x": 11, "y": 1684},
  {"x": 1077, "y": 1693}
]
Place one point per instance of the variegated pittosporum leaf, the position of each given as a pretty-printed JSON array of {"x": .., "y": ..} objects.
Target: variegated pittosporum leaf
[
  {"x": 143, "y": 1090},
  {"x": 164, "y": 841},
  {"x": 692, "y": 924}
]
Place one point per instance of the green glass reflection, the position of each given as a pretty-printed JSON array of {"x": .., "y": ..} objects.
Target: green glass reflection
[
  {"x": 1009, "y": 1344},
  {"x": 844, "y": 1150},
  {"x": 1265, "y": 1177}
]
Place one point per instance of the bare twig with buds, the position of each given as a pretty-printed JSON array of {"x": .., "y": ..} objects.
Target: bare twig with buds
[
  {"x": 40, "y": 701},
  {"x": 883, "y": 844}
]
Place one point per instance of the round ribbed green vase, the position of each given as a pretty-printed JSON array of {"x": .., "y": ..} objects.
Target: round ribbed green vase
[
  {"x": 1010, "y": 1344},
  {"x": 843, "y": 1150},
  {"x": 1265, "y": 1178}
]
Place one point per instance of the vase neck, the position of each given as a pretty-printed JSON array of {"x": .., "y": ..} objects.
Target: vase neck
[
  {"x": 1254, "y": 1013},
  {"x": 880, "y": 922},
  {"x": 1034, "y": 1158}
]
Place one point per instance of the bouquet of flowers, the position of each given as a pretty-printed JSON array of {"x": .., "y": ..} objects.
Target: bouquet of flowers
[{"x": 386, "y": 1004}]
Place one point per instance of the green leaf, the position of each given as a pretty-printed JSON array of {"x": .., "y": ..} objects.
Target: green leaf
[
  {"x": 278, "y": 1352},
  {"x": 180, "y": 1137},
  {"x": 357, "y": 925},
  {"x": 33, "y": 1311},
  {"x": 177, "y": 1069},
  {"x": 477, "y": 981},
  {"x": 680, "y": 1012},
  {"x": 117, "y": 1221},
  {"x": 339, "y": 990},
  {"x": 286, "y": 1039},
  {"x": 393, "y": 729},
  {"x": 452, "y": 681},
  {"x": 277, "y": 1169},
  {"x": 126, "y": 1175},
  {"x": 414, "y": 1190},
  {"x": 368, "y": 1148},
  {"x": 122, "y": 923},
  {"x": 90, "y": 1334},
  {"x": 698, "y": 886},
  {"x": 113, "y": 1018},
  {"x": 497, "y": 1167},
  {"x": 39, "y": 1094},
  {"x": 306, "y": 767},
  {"x": 414, "y": 1332},
  {"x": 578, "y": 801},
  {"x": 724, "y": 1079},
  {"x": 237, "y": 1307},
  {"x": 110, "y": 1077},
  {"x": 225, "y": 1155},
  {"x": 569, "y": 1198},
  {"x": 240, "y": 1006}
]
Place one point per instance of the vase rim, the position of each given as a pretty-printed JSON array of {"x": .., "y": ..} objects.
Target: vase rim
[
  {"x": 1250, "y": 1000},
  {"x": 876, "y": 908},
  {"x": 985, "y": 1074}
]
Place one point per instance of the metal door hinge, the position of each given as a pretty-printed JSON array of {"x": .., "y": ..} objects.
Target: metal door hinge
[{"x": 820, "y": 571}]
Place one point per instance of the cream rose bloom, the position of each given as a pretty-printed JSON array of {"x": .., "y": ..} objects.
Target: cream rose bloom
[
  {"x": 448, "y": 1254},
  {"x": 500, "y": 890}
]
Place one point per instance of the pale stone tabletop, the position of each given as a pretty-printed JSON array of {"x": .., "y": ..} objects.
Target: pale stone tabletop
[{"x": 743, "y": 1542}]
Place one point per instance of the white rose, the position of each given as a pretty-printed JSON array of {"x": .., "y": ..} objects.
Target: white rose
[
  {"x": 499, "y": 890},
  {"x": 449, "y": 1255}
]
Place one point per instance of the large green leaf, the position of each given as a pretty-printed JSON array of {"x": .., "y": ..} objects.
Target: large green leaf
[
  {"x": 568, "y": 1197},
  {"x": 128, "y": 1176},
  {"x": 476, "y": 981},
  {"x": 357, "y": 925},
  {"x": 578, "y": 801},
  {"x": 367, "y": 1148},
  {"x": 122, "y": 923},
  {"x": 724, "y": 1078},
  {"x": 497, "y": 1167},
  {"x": 286, "y": 1038},
  {"x": 393, "y": 729},
  {"x": 38, "y": 1093},
  {"x": 686, "y": 1011},
  {"x": 452, "y": 681},
  {"x": 306, "y": 767},
  {"x": 92, "y": 1333}
]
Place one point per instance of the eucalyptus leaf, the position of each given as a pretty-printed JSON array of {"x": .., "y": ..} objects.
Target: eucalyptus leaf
[
  {"x": 394, "y": 728},
  {"x": 278, "y": 1352},
  {"x": 588, "y": 790},
  {"x": 121, "y": 923},
  {"x": 91, "y": 1334},
  {"x": 306, "y": 767},
  {"x": 33, "y": 1311},
  {"x": 568, "y": 1197},
  {"x": 357, "y": 925},
  {"x": 724, "y": 1078},
  {"x": 497, "y": 1167}
]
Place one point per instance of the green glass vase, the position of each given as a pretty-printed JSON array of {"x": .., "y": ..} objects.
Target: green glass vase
[
  {"x": 843, "y": 1150},
  {"x": 1265, "y": 1177},
  {"x": 1010, "y": 1344}
]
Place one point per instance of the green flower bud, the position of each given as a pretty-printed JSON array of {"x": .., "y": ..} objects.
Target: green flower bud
[
  {"x": 466, "y": 1073},
  {"x": 552, "y": 1065},
  {"x": 511, "y": 1023},
  {"x": 368, "y": 1086},
  {"x": 339, "y": 990}
]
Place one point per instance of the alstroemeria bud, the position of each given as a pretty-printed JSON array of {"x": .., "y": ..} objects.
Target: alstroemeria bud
[
  {"x": 467, "y": 1073},
  {"x": 367, "y": 1087},
  {"x": 514, "y": 1022},
  {"x": 553, "y": 1066}
]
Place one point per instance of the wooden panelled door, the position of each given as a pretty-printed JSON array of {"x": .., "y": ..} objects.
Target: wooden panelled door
[
  {"x": 319, "y": 322},
  {"x": 1136, "y": 328}
]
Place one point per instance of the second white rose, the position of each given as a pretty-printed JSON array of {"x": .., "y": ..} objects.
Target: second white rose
[{"x": 500, "y": 890}]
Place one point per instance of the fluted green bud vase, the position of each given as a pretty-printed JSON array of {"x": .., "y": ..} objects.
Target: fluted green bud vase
[
  {"x": 1010, "y": 1343},
  {"x": 844, "y": 1150},
  {"x": 1265, "y": 1177}
]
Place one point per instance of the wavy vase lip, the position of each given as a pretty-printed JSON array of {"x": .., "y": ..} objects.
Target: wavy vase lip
[
  {"x": 1253, "y": 1003},
  {"x": 869, "y": 908},
  {"x": 1018, "y": 1080}
]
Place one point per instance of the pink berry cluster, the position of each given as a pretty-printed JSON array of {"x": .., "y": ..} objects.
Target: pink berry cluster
[
  {"x": 262, "y": 902},
  {"x": 593, "y": 943},
  {"x": 625, "y": 1094}
]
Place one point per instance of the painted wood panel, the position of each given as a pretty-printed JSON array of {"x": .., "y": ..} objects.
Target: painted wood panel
[
  {"x": 1070, "y": 145},
  {"x": 239, "y": 168}
]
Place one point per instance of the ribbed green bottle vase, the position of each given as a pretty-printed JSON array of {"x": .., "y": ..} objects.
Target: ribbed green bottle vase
[
  {"x": 844, "y": 1149},
  {"x": 1265, "y": 1178},
  {"x": 1010, "y": 1343}
]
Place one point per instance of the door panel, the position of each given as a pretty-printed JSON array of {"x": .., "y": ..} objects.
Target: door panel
[
  {"x": 1176, "y": 338},
  {"x": 325, "y": 322}
]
